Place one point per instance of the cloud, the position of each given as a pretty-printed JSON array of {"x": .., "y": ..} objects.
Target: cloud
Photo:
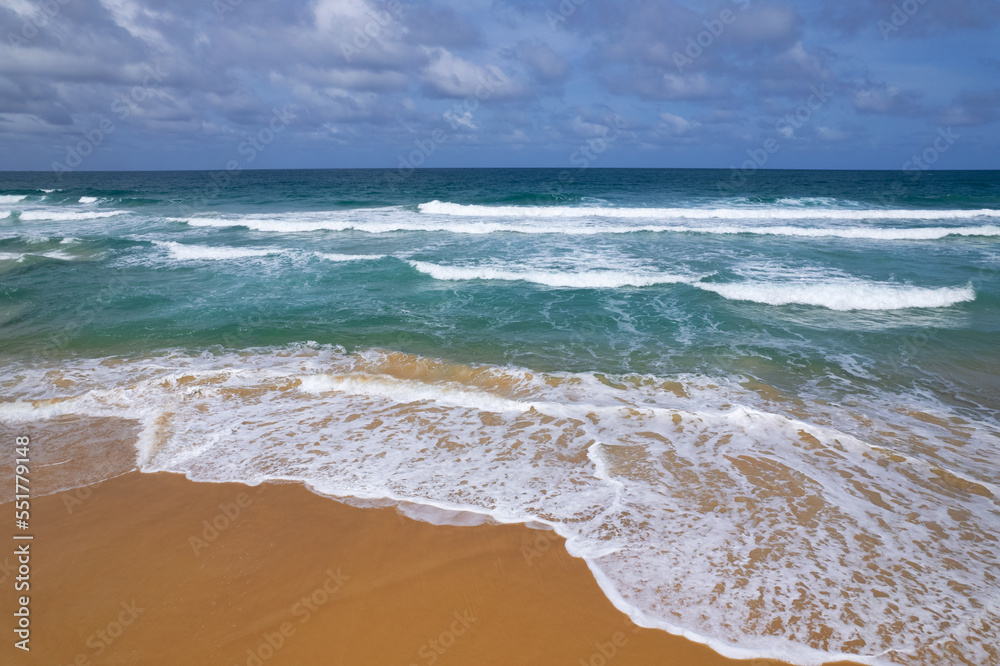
[
  {"x": 832, "y": 135},
  {"x": 545, "y": 65},
  {"x": 448, "y": 75},
  {"x": 973, "y": 108},
  {"x": 908, "y": 19},
  {"x": 675, "y": 125},
  {"x": 881, "y": 98}
]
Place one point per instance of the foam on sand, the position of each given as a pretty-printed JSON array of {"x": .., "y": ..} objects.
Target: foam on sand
[{"x": 816, "y": 525}]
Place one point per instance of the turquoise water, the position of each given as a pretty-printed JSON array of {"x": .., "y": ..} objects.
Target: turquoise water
[{"x": 636, "y": 358}]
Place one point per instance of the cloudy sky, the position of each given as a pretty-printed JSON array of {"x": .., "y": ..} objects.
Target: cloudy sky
[{"x": 199, "y": 84}]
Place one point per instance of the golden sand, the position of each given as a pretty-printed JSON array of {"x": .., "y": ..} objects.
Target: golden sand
[{"x": 156, "y": 569}]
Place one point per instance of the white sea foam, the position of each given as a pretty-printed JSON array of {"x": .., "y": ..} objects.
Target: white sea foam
[
  {"x": 408, "y": 391},
  {"x": 349, "y": 257},
  {"x": 835, "y": 293},
  {"x": 183, "y": 252},
  {"x": 688, "y": 498},
  {"x": 53, "y": 254},
  {"x": 842, "y": 294},
  {"x": 61, "y": 255},
  {"x": 748, "y": 213},
  {"x": 379, "y": 221},
  {"x": 604, "y": 279},
  {"x": 12, "y": 198},
  {"x": 62, "y": 215},
  {"x": 88, "y": 200},
  {"x": 860, "y": 233}
]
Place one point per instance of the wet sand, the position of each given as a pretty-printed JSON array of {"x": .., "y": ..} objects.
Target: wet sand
[{"x": 156, "y": 569}]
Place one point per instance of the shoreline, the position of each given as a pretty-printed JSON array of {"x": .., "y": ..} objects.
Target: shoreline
[{"x": 158, "y": 569}]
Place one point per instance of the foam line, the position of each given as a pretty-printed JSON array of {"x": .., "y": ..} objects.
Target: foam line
[
  {"x": 843, "y": 294},
  {"x": 758, "y": 213},
  {"x": 572, "y": 280}
]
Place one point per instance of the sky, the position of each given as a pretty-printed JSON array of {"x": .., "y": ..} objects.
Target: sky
[{"x": 252, "y": 84}]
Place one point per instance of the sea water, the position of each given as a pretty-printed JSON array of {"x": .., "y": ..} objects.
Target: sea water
[{"x": 766, "y": 417}]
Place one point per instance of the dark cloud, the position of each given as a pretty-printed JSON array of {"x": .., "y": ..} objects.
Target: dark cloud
[
  {"x": 881, "y": 98},
  {"x": 974, "y": 107},
  {"x": 544, "y": 64},
  {"x": 439, "y": 26},
  {"x": 908, "y": 19}
]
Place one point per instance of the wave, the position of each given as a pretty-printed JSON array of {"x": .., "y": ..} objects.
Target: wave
[
  {"x": 88, "y": 200},
  {"x": 409, "y": 391},
  {"x": 65, "y": 215},
  {"x": 183, "y": 252},
  {"x": 858, "y": 233},
  {"x": 769, "y": 504},
  {"x": 758, "y": 213},
  {"x": 608, "y": 279},
  {"x": 842, "y": 295},
  {"x": 349, "y": 257},
  {"x": 21, "y": 256},
  {"x": 189, "y": 252},
  {"x": 296, "y": 222},
  {"x": 12, "y": 198},
  {"x": 397, "y": 221}
]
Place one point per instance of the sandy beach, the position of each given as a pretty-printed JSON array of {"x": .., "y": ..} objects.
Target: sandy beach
[{"x": 156, "y": 569}]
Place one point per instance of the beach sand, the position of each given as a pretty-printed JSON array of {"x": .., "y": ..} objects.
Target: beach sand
[{"x": 157, "y": 569}]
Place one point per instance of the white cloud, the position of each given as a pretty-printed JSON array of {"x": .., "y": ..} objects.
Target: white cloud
[
  {"x": 675, "y": 125},
  {"x": 449, "y": 75}
]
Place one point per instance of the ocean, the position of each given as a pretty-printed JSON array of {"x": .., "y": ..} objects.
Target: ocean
[{"x": 763, "y": 410}]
